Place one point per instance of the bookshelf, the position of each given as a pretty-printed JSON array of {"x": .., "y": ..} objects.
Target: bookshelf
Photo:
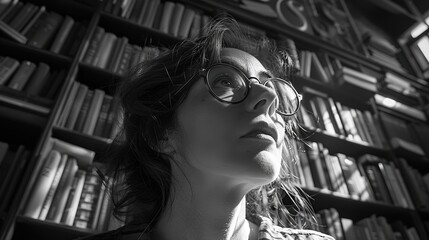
[{"x": 39, "y": 127}]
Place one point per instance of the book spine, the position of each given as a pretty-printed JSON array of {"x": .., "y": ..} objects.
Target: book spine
[
  {"x": 58, "y": 203},
  {"x": 7, "y": 67},
  {"x": 46, "y": 31},
  {"x": 50, "y": 196},
  {"x": 62, "y": 34},
  {"x": 38, "y": 80},
  {"x": 22, "y": 75},
  {"x": 93, "y": 112},
  {"x": 77, "y": 105},
  {"x": 42, "y": 185},
  {"x": 74, "y": 196},
  {"x": 83, "y": 112}
]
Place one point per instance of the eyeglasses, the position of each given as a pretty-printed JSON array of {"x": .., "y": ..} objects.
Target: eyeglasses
[{"x": 229, "y": 84}]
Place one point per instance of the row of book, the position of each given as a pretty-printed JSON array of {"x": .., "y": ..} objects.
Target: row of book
[
  {"x": 30, "y": 24},
  {"x": 115, "y": 54},
  {"x": 173, "y": 18},
  {"x": 406, "y": 136},
  {"x": 318, "y": 110},
  {"x": 13, "y": 162},
  {"x": 69, "y": 191},
  {"x": 370, "y": 228},
  {"x": 90, "y": 111},
  {"x": 328, "y": 69},
  {"x": 417, "y": 183},
  {"x": 35, "y": 79},
  {"x": 366, "y": 178}
]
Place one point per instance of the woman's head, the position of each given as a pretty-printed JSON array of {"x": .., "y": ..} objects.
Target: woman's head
[{"x": 177, "y": 111}]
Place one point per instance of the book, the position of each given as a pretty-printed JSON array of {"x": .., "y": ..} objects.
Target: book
[
  {"x": 42, "y": 185},
  {"x": 40, "y": 11},
  {"x": 22, "y": 16},
  {"x": 105, "y": 50},
  {"x": 102, "y": 117},
  {"x": 54, "y": 185},
  {"x": 149, "y": 17},
  {"x": 65, "y": 111},
  {"x": 13, "y": 11},
  {"x": 46, "y": 31},
  {"x": 63, "y": 32},
  {"x": 38, "y": 80},
  {"x": 167, "y": 14},
  {"x": 71, "y": 206},
  {"x": 93, "y": 112},
  {"x": 8, "y": 66},
  {"x": 186, "y": 22},
  {"x": 12, "y": 33},
  {"x": 77, "y": 105},
  {"x": 56, "y": 210},
  {"x": 56, "y": 81},
  {"x": 93, "y": 45},
  {"x": 10, "y": 180},
  {"x": 83, "y": 112},
  {"x": 22, "y": 75}
]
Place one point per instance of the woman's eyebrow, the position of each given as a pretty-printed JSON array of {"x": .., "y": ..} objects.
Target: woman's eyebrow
[{"x": 266, "y": 74}]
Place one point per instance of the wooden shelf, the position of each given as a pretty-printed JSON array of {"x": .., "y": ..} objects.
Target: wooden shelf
[
  {"x": 136, "y": 33},
  {"x": 339, "y": 144},
  {"x": 29, "y": 228},
  {"x": 97, "y": 144},
  {"x": 26, "y": 52},
  {"x": 353, "y": 208}
]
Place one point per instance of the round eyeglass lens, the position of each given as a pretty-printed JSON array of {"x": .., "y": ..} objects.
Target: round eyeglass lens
[
  {"x": 227, "y": 83},
  {"x": 288, "y": 99}
]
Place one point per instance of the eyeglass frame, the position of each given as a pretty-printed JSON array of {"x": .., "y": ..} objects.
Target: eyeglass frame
[{"x": 205, "y": 73}]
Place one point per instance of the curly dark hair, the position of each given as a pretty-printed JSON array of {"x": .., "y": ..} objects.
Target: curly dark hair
[{"x": 140, "y": 174}]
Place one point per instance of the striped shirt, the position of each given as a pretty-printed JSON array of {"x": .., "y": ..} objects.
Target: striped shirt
[{"x": 267, "y": 231}]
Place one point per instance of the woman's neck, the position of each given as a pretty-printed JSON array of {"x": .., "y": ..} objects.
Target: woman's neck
[{"x": 210, "y": 210}]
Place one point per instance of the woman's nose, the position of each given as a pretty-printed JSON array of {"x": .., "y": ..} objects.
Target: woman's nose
[{"x": 261, "y": 98}]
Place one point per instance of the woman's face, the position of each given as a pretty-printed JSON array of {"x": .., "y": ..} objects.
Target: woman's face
[{"x": 212, "y": 132}]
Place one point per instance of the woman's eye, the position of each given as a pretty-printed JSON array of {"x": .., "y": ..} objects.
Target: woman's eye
[{"x": 224, "y": 82}]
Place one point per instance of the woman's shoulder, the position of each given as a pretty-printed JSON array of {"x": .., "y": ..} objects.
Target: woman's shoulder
[{"x": 270, "y": 231}]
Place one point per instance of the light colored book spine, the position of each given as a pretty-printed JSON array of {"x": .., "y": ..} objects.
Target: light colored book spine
[
  {"x": 62, "y": 34},
  {"x": 71, "y": 211},
  {"x": 60, "y": 199},
  {"x": 167, "y": 12},
  {"x": 42, "y": 185},
  {"x": 186, "y": 23},
  {"x": 48, "y": 200}
]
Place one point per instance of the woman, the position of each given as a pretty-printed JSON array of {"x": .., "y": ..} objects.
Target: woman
[{"x": 207, "y": 131}]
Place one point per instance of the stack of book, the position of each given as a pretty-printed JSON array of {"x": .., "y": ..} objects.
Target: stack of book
[
  {"x": 115, "y": 54},
  {"x": 351, "y": 80},
  {"x": 173, "y": 18},
  {"x": 37, "y": 27},
  {"x": 13, "y": 162},
  {"x": 31, "y": 78},
  {"x": 400, "y": 107},
  {"x": 370, "y": 228},
  {"x": 69, "y": 191},
  {"x": 386, "y": 181},
  {"x": 90, "y": 111},
  {"x": 401, "y": 134},
  {"x": 400, "y": 85},
  {"x": 417, "y": 183},
  {"x": 318, "y": 110}
]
